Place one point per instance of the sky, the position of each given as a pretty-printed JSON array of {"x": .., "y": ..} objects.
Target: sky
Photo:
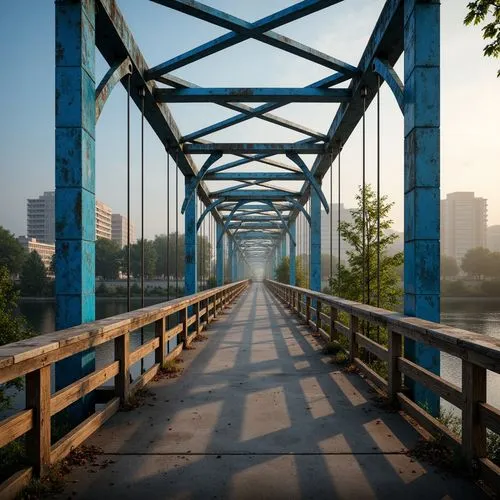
[{"x": 470, "y": 104}]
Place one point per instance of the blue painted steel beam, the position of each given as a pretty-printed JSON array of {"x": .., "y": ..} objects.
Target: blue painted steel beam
[
  {"x": 387, "y": 72},
  {"x": 251, "y": 158},
  {"x": 248, "y": 176},
  {"x": 261, "y": 111},
  {"x": 253, "y": 147},
  {"x": 190, "y": 239},
  {"x": 247, "y": 94},
  {"x": 315, "y": 243},
  {"x": 422, "y": 181},
  {"x": 293, "y": 249},
  {"x": 219, "y": 255},
  {"x": 257, "y": 194},
  {"x": 259, "y": 27},
  {"x": 75, "y": 182}
]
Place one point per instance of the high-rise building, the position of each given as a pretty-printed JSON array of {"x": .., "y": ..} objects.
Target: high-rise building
[
  {"x": 41, "y": 218},
  {"x": 463, "y": 223},
  {"x": 326, "y": 220},
  {"x": 119, "y": 230},
  {"x": 45, "y": 250},
  {"x": 493, "y": 236},
  {"x": 103, "y": 216}
]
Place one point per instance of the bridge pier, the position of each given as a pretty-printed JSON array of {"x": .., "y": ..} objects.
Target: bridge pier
[
  {"x": 422, "y": 181},
  {"x": 190, "y": 243},
  {"x": 75, "y": 182}
]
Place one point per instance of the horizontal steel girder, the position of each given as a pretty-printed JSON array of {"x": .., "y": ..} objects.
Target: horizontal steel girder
[
  {"x": 249, "y": 176},
  {"x": 240, "y": 31},
  {"x": 247, "y": 94},
  {"x": 257, "y": 194},
  {"x": 267, "y": 148}
]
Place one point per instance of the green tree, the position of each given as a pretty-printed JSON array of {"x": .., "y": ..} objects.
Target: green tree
[
  {"x": 449, "y": 267},
  {"x": 52, "y": 267},
  {"x": 12, "y": 254},
  {"x": 487, "y": 12},
  {"x": 108, "y": 257},
  {"x": 13, "y": 327},
  {"x": 477, "y": 262},
  {"x": 283, "y": 271},
  {"x": 351, "y": 284},
  {"x": 33, "y": 276},
  {"x": 150, "y": 259}
]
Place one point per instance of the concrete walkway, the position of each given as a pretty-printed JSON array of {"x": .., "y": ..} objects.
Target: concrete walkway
[{"x": 259, "y": 412}]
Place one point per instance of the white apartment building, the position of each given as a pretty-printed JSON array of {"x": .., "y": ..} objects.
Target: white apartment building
[
  {"x": 45, "y": 250},
  {"x": 119, "y": 230},
  {"x": 326, "y": 219},
  {"x": 463, "y": 224},
  {"x": 103, "y": 215},
  {"x": 41, "y": 218}
]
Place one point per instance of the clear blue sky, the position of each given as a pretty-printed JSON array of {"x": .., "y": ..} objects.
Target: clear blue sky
[{"x": 470, "y": 103}]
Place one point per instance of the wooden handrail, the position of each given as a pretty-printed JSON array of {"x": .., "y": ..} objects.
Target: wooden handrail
[
  {"x": 478, "y": 353},
  {"x": 33, "y": 358}
]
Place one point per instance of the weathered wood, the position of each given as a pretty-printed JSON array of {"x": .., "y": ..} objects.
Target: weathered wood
[
  {"x": 173, "y": 332},
  {"x": 473, "y": 428},
  {"x": 122, "y": 380},
  {"x": 490, "y": 417},
  {"x": 197, "y": 314},
  {"x": 318, "y": 316},
  {"x": 184, "y": 323},
  {"x": 142, "y": 380},
  {"x": 14, "y": 485},
  {"x": 353, "y": 347},
  {"x": 381, "y": 352},
  {"x": 143, "y": 350},
  {"x": 16, "y": 425},
  {"x": 435, "y": 383},
  {"x": 490, "y": 473},
  {"x": 371, "y": 374},
  {"x": 38, "y": 400},
  {"x": 68, "y": 395},
  {"x": 174, "y": 354},
  {"x": 80, "y": 433},
  {"x": 160, "y": 335},
  {"x": 333, "y": 320},
  {"x": 308, "y": 309},
  {"x": 394, "y": 374}
]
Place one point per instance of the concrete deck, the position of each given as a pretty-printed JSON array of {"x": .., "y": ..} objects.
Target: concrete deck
[{"x": 259, "y": 412}]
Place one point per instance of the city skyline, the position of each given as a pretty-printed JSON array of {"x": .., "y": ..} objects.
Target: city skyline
[{"x": 469, "y": 154}]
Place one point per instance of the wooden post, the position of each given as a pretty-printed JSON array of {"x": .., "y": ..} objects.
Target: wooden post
[
  {"x": 160, "y": 333},
  {"x": 353, "y": 345},
  {"x": 395, "y": 351},
  {"x": 333, "y": 319},
  {"x": 215, "y": 305},
  {"x": 197, "y": 312},
  {"x": 298, "y": 303},
  {"x": 318, "y": 315},
  {"x": 122, "y": 380},
  {"x": 308, "y": 309},
  {"x": 473, "y": 430},
  {"x": 184, "y": 319},
  {"x": 38, "y": 399}
]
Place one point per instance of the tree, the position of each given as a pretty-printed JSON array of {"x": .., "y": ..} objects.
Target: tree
[
  {"x": 52, "y": 267},
  {"x": 150, "y": 259},
  {"x": 488, "y": 12},
  {"x": 108, "y": 257},
  {"x": 33, "y": 276},
  {"x": 283, "y": 271},
  {"x": 449, "y": 267},
  {"x": 351, "y": 284},
  {"x": 13, "y": 327},
  {"x": 477, "y": 262},
  {"x": 12, "y": 254}
]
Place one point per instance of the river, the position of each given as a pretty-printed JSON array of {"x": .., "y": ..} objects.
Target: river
[{"x": 481, "y": 315}]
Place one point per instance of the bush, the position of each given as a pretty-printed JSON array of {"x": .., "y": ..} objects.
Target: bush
[
  {"x": 455, "y": 289},
  {"x": 491, "y": 288}
]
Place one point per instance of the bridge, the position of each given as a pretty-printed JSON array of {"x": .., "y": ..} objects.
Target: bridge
[{"x": 258, "y": 406}]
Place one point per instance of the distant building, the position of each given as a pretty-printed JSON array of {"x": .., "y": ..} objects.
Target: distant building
[
  {"x": 493, "y": 236},
  {"x": 463, "y": 224},
  {"x": 345, "y": 215},
  {"x": 41, "y": 218},
  {"x": 45, "y": 250},
  {"x": 119, "y": 230},
  {"x": 103, "y": 215}
]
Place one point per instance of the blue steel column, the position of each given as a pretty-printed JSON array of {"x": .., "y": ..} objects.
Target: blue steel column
[
  {"x": 283, "y": 247},
  {"x": 230, "y": 258},
  {"x": 234, "y": 263},
  {"x": 220, "y": 254},
  {"x": 293, "y": 272},
  {"x": 422, "y": 177},
  {"x": 315, "y": 246},
  {"x": 190, "y": 218},
  {"x": 75, "y": 179}
]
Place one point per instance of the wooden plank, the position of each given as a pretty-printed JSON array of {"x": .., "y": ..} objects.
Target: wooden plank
[
  {"x": 145, "y": 378},
  {"x": 435, "y": 383},
  {"x": 68, "y": 395},
  {"x": 16, "y": 425},
  {"x": 353, "y": 347},
  {"x": 428, "y": 422},
  {"x": 174, "y": 331},
  {"x": 160, "y": 335},
  {"x": 394, "y": 373},
  {"x": 190, "y": 338},
  {"x": 490, "y": 473},
  {"x": 122, "y": 379},
  {"x": 191, "y": 320},
  {"x": 83, "y": 431},
  {"x": 38, "y": 439},
  {"x": 371, "y": 374},
  {"x": 174, "y": 354},
  {"x": 490, "y": 417},
  {"x": 143, "y": 350},
  {"x": 381, "y": 352},
  {"x": 13, "y": 486}
]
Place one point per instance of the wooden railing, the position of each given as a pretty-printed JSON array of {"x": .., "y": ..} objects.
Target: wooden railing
[
  {"x": 33, "y": 358},
  {"x": 478, "y": 354}
]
